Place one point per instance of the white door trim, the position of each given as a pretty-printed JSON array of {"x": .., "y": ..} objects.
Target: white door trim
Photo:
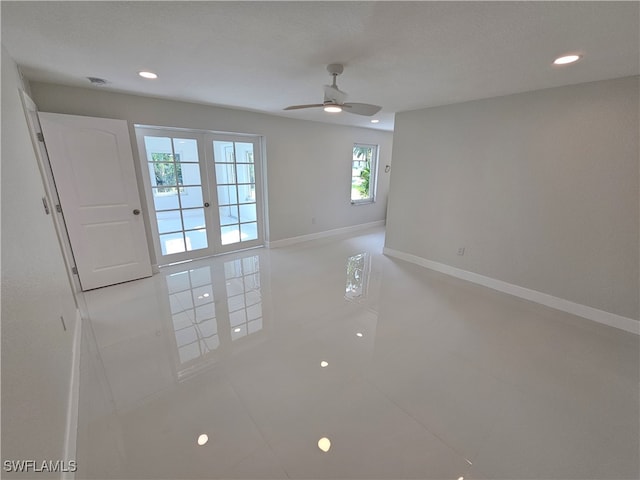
[{"x": 37, "y": 140}]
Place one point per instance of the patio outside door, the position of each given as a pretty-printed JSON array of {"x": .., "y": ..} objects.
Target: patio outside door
[{"x": 203, "y": 191}]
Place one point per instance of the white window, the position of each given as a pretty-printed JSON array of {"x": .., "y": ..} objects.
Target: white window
[{"x": 364, "y": 173}]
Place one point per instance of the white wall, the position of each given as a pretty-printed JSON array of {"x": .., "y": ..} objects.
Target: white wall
[
  {"x": 308, "y": 163},
  {"x": 36, "y": 351},
  {"x": 541, "y": 189}
]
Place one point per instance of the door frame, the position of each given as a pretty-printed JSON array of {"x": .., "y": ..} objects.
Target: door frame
[
  {"x": 205, "y": 151},
  {"x": 50, "y": 190}
]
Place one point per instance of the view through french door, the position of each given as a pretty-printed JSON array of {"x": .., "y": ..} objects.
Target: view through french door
[{"x": 204, "y": 191}]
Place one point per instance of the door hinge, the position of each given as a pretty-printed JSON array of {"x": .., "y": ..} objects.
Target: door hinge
[
  {"x": 59, "y": 208},
  {"x": 74, "y": 270},
  {"x": 45, "y": 205},
  {"x": 40, "y": 136}
]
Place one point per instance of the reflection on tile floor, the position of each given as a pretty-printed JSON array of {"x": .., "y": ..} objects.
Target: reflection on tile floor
[
  {"x": 200, "y": 325},
  {"x": 395, "y": 370}
]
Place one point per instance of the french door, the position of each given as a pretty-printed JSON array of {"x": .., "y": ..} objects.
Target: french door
[{"x": 204, "y": 191}]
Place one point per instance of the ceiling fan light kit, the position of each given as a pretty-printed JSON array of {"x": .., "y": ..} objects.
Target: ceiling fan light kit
[{"x": 335, "y": 99}]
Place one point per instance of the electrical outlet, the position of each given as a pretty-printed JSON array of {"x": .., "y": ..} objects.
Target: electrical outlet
[{"x": 461, "y": 251}]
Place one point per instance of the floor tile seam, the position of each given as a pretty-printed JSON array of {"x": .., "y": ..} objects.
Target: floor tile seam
[
  {"x": 255, "y": 424},
  {"x": 503, "y": 382},
  {"x": 340, "y": 312},
  {"x": 93, "y": 360},
  {"x": 514, "y": 385},
  {"x": 364, "y": 307},
  {"x": 111, "y": 344},
  {"x": 494, "y": 429},
  {"x": 187, "y": 309},
  {"x": 422, "y": 425},
  {"x": 550, "y": 401},
  {"x": 157, "y": 394},
  {"x": 101, "y": 300},
  {"x": 248, "y": 455}
]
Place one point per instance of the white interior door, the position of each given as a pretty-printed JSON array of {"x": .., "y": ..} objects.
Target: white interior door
[{"x": 92, "y": 165}]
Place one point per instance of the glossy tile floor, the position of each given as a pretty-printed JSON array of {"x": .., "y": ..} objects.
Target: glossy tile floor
[{"x": 404, "y": 372}]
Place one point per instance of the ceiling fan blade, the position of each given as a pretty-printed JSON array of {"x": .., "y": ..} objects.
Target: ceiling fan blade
[
  {"x": 298, "y": 107},
  {"x": 365, "y": 109}
]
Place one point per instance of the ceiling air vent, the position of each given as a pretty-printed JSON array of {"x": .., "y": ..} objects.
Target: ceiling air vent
[{"x": 97, "y": 81}]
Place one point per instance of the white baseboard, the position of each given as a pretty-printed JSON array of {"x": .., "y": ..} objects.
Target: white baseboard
[
  {"x": 600, "y": 316},
  {"x": 327, "y": 233},
  {"x": 71, "y": 433}
]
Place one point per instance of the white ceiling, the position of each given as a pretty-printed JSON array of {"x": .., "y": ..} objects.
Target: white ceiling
[{"x": 263, "y": 56}]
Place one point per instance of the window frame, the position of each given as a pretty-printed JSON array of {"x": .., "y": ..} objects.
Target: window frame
[{"x": 373, "y": 174}]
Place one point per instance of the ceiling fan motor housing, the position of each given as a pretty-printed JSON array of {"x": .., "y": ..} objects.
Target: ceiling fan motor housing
[
  {"x": 334, "y": 95},
  {"x": 335, "y": 68}
]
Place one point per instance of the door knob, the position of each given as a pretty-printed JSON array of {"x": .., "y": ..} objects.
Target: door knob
[{"x": 136, "y": 212}]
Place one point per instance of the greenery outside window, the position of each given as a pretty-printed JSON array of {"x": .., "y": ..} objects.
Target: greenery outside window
[
  {"x": 168, "y": 173},
  {"x": 363, "y": 173}
]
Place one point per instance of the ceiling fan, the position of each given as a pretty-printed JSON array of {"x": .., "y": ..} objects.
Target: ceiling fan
[{"x": 334, "y": 98}]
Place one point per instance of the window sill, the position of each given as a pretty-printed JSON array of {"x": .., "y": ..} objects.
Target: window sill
[{"x": 362, "y": 202}]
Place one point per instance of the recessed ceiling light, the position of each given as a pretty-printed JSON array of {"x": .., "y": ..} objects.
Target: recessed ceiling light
[
  {"x": 375, "y": 121},
  {"x": 150, "y": 75},
  {"x": 332, "y": 109},
  {"x": 324, "y": 444},
  {"x": 566, "y": 59},
  {"x": 359, "y": 334},
  {"x": 324, "y": 364},
  {"x": 203, "y": 439}
]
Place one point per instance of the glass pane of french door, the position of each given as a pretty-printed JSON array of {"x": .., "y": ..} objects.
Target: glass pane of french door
[
  {"x": 235, "y": 173},
  {"x": 178, "y": 189}
]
